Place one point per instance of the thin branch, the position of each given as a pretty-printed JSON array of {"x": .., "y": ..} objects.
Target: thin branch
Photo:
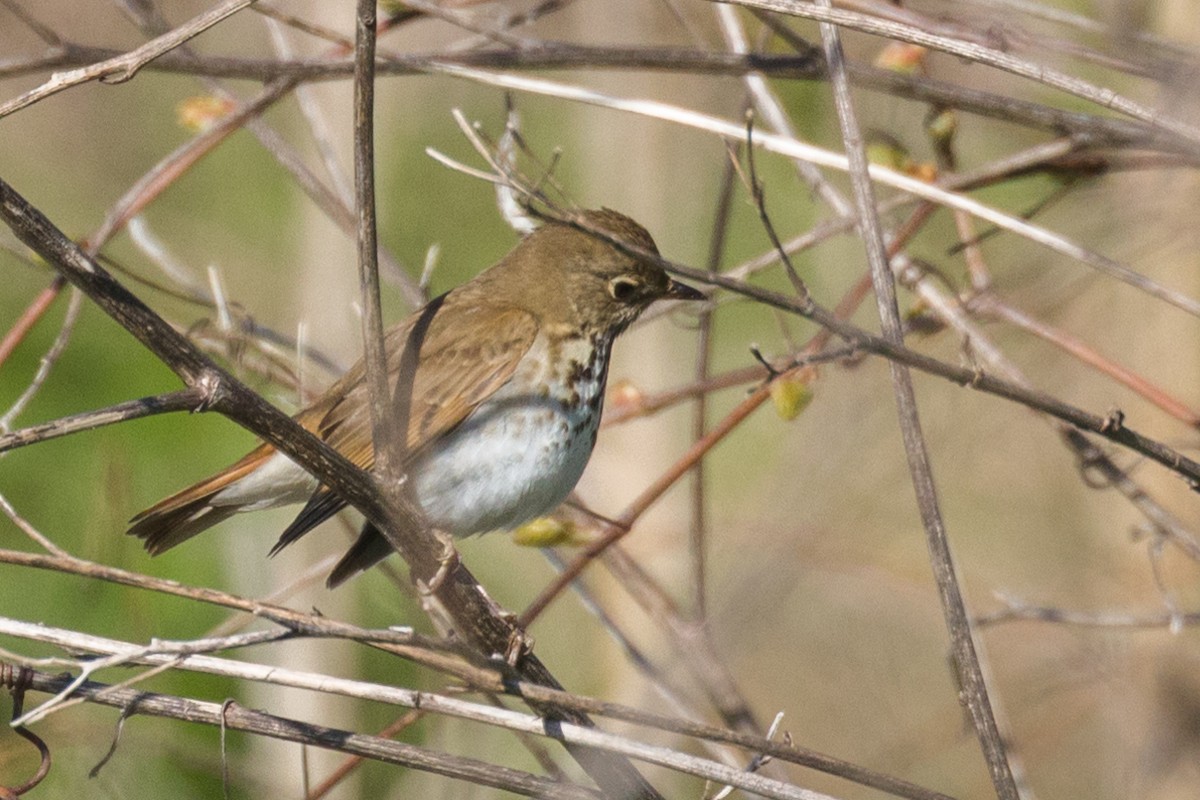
[
  {"x": 758, "y": 195},
  {"x": 235, "y": 717},
  {"x": 43, "y": 32},
  {"x": 300, "y": 623},
  {"x": 698, "y": 545},
  {"x": 769, "y": 107},
  {"x": 329, "y": 35},
  {"x": 996, "y": 308},
  {"x": 966, "y": 663},
  {"x": 74, "y": 305},
  {"x": 122, "y": 68},
  {"x": 311, "y": 113},
  {"x": 1164, "y": 56},
  {"x": 164, "y": 654},
  {"x": 26, "y": 527},
  {"x": 469, "y": 22},
  {"x": 1106, "y": 98},
  {"x": 188, "y": 656},
  {"x": 387, "y": 442},
  {"x": 1015, "y": 610},
  {"x": 796, "y": 149},
  {"x": 181, "y": 400},
  {"x": 30, "y": 317}
]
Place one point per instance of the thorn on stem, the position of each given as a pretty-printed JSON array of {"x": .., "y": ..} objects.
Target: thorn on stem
[{"x": 1113, "y": 421}]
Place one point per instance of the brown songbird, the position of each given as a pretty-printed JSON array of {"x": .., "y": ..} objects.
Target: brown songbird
[{"x": 499, "y": 386}]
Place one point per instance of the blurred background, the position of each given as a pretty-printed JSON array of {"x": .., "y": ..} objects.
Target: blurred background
[{"x": 818, "y": 592}]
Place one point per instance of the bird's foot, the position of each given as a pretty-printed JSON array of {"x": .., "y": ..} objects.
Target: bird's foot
[
  {"x": 447, "y": 563},
  {"x": 519, "y": 644}
]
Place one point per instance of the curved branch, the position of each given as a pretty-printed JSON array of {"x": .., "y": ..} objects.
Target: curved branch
[{"x": 231, "y": 716}]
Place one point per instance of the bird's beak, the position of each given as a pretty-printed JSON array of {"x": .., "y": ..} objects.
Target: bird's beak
[{"x": 681, "y": 291}]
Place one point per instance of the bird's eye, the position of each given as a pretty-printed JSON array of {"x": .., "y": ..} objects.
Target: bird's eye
[{"x": 623, "y": 289}]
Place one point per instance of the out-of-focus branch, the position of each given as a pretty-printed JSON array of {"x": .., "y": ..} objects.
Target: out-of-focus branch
[
  {"x": 231, "y": 716},
  {"x": 979, "y": 53},
  {"x": 123, "y": 67},
  {"x": 191, "y": 656},
  {"x": 966, "y": 661},
  {"x": 568, "y": 56},
  {"x": 34, "y": 312}
]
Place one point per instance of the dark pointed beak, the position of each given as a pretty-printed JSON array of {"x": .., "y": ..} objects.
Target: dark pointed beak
[{"x": 681, "y": 291}]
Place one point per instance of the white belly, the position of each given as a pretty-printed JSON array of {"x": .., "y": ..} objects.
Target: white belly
[
  {"x": 515, "y": 458},
  {"x": 503, "y": 467}
]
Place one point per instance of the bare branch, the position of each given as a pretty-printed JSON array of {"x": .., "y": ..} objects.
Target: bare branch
[
  {"x": 965, "y": 660},
  {"x": 1106, "y": 98},
  {"x": 188, "y": 656},
  {"x": 795, "y": 149},
  {"x": 238, "y": 718},
  {"x": 122, "y": 68},
  {"x": 182, "y": 400}
]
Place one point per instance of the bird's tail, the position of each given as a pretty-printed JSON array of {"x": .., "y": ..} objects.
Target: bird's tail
[{"x": 181, "y": 516}]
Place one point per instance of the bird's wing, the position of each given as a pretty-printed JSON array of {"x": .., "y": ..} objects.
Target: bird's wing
[
  {"x": 440, "y": 387},
  {"x": 443, "y": 372}
]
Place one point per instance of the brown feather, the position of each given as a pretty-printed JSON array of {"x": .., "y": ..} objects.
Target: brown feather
[
  {"x": 181, "y": 516},
  {"x": 453, "y": 378},
  {"x": 456, "y": 374}
]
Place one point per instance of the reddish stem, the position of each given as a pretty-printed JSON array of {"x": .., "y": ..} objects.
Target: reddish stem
[{"x": 17, "y": 333}]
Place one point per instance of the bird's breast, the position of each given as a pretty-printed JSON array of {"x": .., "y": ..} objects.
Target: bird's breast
[{"x": 520, "y": 453}]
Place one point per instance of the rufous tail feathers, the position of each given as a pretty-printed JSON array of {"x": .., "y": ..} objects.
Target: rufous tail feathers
[{"x": 184, "y": 514}]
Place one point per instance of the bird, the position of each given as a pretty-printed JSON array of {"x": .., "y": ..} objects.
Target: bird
[{"x": 498, "y": 389}]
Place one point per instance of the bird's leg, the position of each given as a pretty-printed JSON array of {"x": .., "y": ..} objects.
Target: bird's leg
[
  {"x": 447, "y": 563},
  {"x": 519, "y": 643}
]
